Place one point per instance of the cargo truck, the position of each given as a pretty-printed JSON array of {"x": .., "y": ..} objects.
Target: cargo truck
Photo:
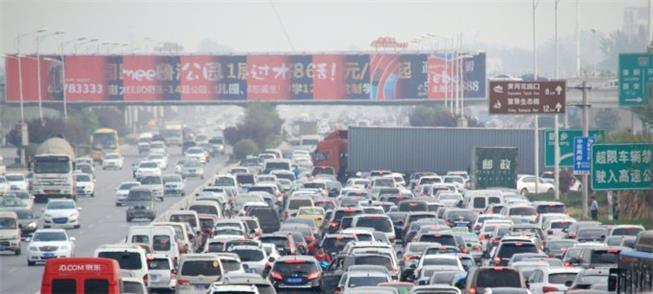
[{"x": 52, "y": 170}]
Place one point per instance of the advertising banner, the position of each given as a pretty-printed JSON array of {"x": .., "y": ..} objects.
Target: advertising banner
[{"x": 271, "y": 77}]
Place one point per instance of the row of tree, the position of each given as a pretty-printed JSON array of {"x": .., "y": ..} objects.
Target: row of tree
[{"x": 260, "y": 128}]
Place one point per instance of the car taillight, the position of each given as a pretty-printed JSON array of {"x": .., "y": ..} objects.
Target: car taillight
[
  {"x": 567, "y": 264},
  {"x": 313, "y": 275},
  {"x": 409, "y": 257},
  {"x": 276, "y": 276},
  {"x": 183, "y": 282},
  {"x": 495, "y": 241},
  {"x": 547, "y": 289},
  {"x": 550, "y": 231},
  {"x": 464, "y": 250},
  {"x": 471, "y": 291},
  {"x": 333, "y": 224},
  {"x": 145, "y": 279},
  {"x": 482, "y": 237},
  {"x": 477, "y": 247},
  {"x": 173, "y": 275},
  {"x": 497, "y": 259},
  {"x": 572, "y": 235}
]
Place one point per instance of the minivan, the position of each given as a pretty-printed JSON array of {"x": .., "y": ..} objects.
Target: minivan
[
  {"x": 130, "y": 257},
  {"x": 140, "y": 201},
  {"x": 197, "y": 272},
  {"x": 10, "y": 232},
  {"x": 160, "y": 238},
  {"x": 483, "y": 277}
]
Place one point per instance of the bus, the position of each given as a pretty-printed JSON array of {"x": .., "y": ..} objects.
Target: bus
[
  {"x": 634, "y": 273},
  {"x": 104, "y": 140},
  {"x": 81, "y": 275}
]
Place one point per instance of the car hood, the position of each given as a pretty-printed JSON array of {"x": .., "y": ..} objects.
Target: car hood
[
  {"x": 60, "y": 212},
  {"x": 49, "y": 243},
  {"x": 122, "y": 192}
]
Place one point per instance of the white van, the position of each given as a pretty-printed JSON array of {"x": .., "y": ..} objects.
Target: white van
[
  {"x": 187, "y": 216},
  {"x": 131, "y": 258},
  {"x": 183, "y": 234},
  {"x": 160, "y": 238},
  {"x": 478, "y": 200}
]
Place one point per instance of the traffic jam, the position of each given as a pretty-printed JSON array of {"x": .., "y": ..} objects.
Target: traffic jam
[{"x": 277, "y": 223}]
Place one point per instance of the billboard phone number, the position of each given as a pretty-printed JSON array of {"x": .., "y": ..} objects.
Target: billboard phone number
[{"x": 83, "y": 88}]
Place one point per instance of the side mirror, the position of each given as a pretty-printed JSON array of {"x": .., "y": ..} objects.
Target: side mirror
[{"x": 271, "y": 259}]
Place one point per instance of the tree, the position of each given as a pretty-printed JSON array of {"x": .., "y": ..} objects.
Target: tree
[
  {"x": 261, "y": 125},
  {"x": 437, "y": 116},
  {"x": 245, "y": 147}
]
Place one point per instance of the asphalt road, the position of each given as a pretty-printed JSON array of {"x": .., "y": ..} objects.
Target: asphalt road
[{"x": 101, "y": 221}]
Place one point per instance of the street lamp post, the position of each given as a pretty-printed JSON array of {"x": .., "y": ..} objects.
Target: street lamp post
[
  {"x": 556, "y": 120},
  {"x": 38, "y": 70},
  {"x": 63, "y": 69},
  {"x": 536, "y": 138}
]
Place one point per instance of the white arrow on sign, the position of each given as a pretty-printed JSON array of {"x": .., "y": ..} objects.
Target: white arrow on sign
[
  {"x": 558, "y": 89},
  {"x": 558, "y": 107},
  {"x": 638, "y": 100}
]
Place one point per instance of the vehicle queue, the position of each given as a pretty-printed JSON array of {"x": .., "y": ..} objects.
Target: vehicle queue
[{"x": 276, "y": 223}]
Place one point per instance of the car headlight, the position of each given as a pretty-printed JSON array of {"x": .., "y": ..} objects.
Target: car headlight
[
  {"x": 74, "y": 216},
  {"x": 64, "y": 247},
  {"x": 33, "y": 248},
  {"x": 32, "y": 225}
]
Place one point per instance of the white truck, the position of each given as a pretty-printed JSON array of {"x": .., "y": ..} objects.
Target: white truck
[
  {"x": 52, "y": 169},
  {"x": 172, "y": 133}
]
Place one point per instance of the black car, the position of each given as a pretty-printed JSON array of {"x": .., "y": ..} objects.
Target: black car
[
  {"x": 296, "y": 272},
  {"x": 267, "y": 217}
]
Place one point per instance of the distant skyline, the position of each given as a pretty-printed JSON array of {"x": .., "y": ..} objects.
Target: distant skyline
[{"x": 311, "y": 25}]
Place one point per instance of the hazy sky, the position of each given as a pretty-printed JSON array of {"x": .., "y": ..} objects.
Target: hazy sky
[{"x": 312, "y": 25}]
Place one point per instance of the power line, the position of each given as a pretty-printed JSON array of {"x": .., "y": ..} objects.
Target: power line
[{"x": 283, "y": 27}]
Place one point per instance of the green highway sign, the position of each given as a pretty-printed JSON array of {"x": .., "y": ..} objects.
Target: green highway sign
[
  {"x": 622, "y": 167},
  {"x": 566, "y": 141},
  {"x": 635, "y": 76}
]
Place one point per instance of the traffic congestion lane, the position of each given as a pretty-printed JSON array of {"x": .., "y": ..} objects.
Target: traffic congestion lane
[{"x": 101, "y": 221}]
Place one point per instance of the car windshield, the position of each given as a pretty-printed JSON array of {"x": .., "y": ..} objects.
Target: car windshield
[
  {"x": 363, "y": 281},
  {"x": 604, "y": 256},
  {"x": 380, "y": 224},
  {"x": 126, "y": 260},
  {"x": 560, "y": 225},
  {"x": 249, "y": 254},
  {"x": 374, "y": 260},
  {"x": 49, "y": 236},
  {"x": 15, "y": 178},
  {"x": 61, "y": 205},
  {"x": 224, "y": 181},
  {"x": 148, "y": 165},
  {"x": 626, "y": 231},
  {"x": 184, "y": 218},
  {"x": 465, "y": 215},
  {"x": 195, "y": 151},
  {"x": 52, "y": 165},
  {"x": 498, "y": 278},
  {"x": 592, "y": 234},
  {"x": 111, "y": 156},
  {"x": 551, "y": 208},
  {"x": 334, "y": 244},
  {"x": 82, "y": 178},
  {"x": 510, "y": 249},
  {"x": 200, "y": 267},
  {"x": 7, "y": 223},
  {"x": 151, "y": 181},
  {"x": 171, "y": 179},
  {"x": 440, "y": 261},
  {"x": 127, "y": 186},
  {"x": 297, "y": 203}
]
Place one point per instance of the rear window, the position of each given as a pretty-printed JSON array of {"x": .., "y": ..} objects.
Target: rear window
[
  {"x": 551, "y": 208},
  {"x": 333, "y": 244},
  {"x": 440, "y": 261},
  {"x": 510, "y": 249},
  {"x": 446, "y": 240},
  {"x": 92, "y": 286},
  {"x": 204, "y": 209},
  {"x": 562, "y": 278},
  {"x": 200, "y": 267},
  {"x": 215, "y": 247},
  {"x": 249, "y": 255},
  {"x": 161, "y": 243},
  {"x": 413, "y": 206},
  {"x": 184, "y": 218},
  {"x": 297, "y": 203},
  {"x": 604, "y": 257},
  {"x": 126, "y": 260},
  {"x": 265, "y": 215},
  {"x": 560, "y": 225},
  {"x": 465, "y": 215},
  {"x": 341, "y": 213},
  {"x": 366, "y": 281},
  {"x": 280, "y": 242},
  {"x": 626, "y": 231},
  {"x": 498, "y": 278},
  {"x": 380, "y": 224},
  {"x": 230, "y": 265},
  {"x": 479, "y": 202},
  {"x": 158, "y": 264},
  {"x": 373, "y": 260},
  {"x": 245, "y": 179},
  {"x": 528, "y": 211},
  {"x": 64, "y": 286},
  {"x": 287, "y": 268},
  {"x": 131, "y": 287}
]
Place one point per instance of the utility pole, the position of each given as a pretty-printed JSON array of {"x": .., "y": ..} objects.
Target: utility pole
[
  {"x": 556, "y": 121},
  {"x": 585, "y": 107},
  {"x": 536, "y": 127}
]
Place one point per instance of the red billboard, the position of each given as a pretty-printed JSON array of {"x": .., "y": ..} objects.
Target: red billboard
[{"x": 272, "y": 77}]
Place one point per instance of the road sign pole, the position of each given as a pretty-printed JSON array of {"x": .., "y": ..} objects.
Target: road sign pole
[
  {"x": 556, "y": 165},
  {"x": 586, "y": 131}
]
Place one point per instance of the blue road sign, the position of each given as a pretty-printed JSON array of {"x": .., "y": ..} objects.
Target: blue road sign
[{"x": 582, "y": 157}]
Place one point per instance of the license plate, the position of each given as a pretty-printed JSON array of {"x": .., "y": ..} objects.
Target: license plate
[
  {"x": 154, "y": 278},
  {"x": 48, "y": 255},
  {"x": 294, "y": 280},
  {"x": 51, "y": 191},
  {"x": 201, "y": 286}
]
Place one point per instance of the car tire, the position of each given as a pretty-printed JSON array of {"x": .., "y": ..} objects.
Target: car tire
[
  {"x": 17, "y": 252},
  {"x": 523, "y": 192},
  {"x": 30, "y": 263}
]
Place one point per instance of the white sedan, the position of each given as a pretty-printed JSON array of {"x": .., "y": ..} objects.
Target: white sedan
[
  {"x": 17, "y": 182},
  {"x": 196, "y": 154},
  {"x": 526, "y": 184},
  {"x": 112, "y": 161},
  {"x": 49, "y": 243},
  {"x": 61, "y": 213}
]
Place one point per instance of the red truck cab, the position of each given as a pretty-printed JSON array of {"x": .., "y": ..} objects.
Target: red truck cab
[
  {"x": 332, "y": 152},
  {"x": 81, "y": 275}
]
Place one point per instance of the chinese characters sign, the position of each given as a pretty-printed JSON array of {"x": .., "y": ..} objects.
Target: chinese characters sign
[
  {"x": 566, "y": 143},
  {"x": 582, "y": 151},
  {"x": 635, "y": 78},
  {"x": 494, "y": 167},
  {"x": 136, "y": 78},
  {"x": 622, "y": 167},
  {"x": 526, "y": 97}
]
